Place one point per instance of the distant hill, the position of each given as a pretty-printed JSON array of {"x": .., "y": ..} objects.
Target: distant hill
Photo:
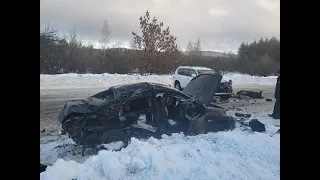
[
  {"x": 214, "y": 54},
  {"x": 204, "y": 53}
]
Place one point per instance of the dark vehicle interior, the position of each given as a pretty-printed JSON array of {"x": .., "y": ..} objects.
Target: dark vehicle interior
[
  {"x": 171, "y": 107},
  {"x": 167, "y": 107},
  {"x": 136, "y": 107}
]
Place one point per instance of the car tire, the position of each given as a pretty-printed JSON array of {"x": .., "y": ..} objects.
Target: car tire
[
  {"x": 177, "y": 85},
  {"x": 110, "y": 136}
]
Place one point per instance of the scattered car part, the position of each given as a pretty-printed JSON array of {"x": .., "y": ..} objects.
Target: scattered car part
[
  {"x": 252, "y": 94},
  {"x": 256, "y": 126},
  {"x": 242, "y": 115},
  {"x": 42, "y": 168},
  {"x": 226, "y": 90}
]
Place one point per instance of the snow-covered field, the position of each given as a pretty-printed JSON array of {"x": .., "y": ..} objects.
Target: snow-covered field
[
  {"x": 234, "y": 154},
  {"x": 69, "y": 81},
  {"x": 223, "y": 155}
]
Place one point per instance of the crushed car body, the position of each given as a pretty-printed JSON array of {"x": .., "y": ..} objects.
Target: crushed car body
[
  {"x": 226, "y": 90},
  {"x": 143, "y": 110}
]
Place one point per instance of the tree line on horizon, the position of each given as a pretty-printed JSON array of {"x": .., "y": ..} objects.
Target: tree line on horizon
[{"x": 153, "y": 50}]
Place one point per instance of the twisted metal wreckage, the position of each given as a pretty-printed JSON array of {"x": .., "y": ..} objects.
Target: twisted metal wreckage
[{"x": 143, "y": 110}]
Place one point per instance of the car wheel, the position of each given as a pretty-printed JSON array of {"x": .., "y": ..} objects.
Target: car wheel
[
  {"x": 114, "y": 136},
  {"x": 177, "y": 85}
]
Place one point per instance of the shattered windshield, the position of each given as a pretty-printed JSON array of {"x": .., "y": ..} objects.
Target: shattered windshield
[{"x": 101, "y": 97}]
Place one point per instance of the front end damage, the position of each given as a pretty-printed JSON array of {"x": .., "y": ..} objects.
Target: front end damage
[
  {"x": 226, "y": 90},
  {"x": 73, "y": 107},
  {"x": 75, "y": 117}
]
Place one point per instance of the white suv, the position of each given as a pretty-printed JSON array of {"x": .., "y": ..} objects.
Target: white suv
[{"x": 184, "y": 74}]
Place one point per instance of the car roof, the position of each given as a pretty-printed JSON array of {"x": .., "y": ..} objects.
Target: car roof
[
  {"x": 141, "y": 88},
  {"x": 195, "y": 67}
]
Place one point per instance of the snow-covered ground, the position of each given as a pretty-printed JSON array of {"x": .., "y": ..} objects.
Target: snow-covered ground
[
  {"x": 69, "y": 81},
  {"x": 223, "y": 155},
  {"x": 235, "y": 154}
]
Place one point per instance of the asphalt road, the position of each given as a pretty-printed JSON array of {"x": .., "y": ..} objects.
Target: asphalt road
[{"x": 51, "y": 101}]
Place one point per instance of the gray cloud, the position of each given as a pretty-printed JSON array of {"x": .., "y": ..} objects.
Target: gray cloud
[{"x": 221, "y": 24}]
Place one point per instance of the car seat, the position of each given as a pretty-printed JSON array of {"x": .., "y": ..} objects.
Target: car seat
[{"x": 160, "y": 101}]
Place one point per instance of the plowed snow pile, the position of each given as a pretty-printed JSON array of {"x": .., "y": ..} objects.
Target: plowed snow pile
[{"x": 224, "y": 155}]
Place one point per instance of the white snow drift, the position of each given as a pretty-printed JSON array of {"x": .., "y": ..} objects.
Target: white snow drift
[
  {"x": 224, "y": 155},
  {"x": 70, "y": 81}
]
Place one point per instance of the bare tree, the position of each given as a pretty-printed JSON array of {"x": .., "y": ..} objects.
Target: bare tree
[
  {"x": 194, "y": 51},
  {"x": 75, "y": 44},
  {"x": 104, "y": 64},
  {"x": 105, "y": 35},
  {"x": 189, "y": 52},
  {"x": 197, "y": 49},
  {"x": 155, "y": 47}
]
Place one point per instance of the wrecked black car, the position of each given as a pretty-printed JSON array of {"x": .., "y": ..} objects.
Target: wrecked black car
[
  {"x": 225, "y": 90},
  {"x": 143, "y": 110}
]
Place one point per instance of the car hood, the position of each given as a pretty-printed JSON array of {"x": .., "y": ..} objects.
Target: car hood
[
  {"x": 203, "y": 87},
  {"x": 73, "y": 107}
]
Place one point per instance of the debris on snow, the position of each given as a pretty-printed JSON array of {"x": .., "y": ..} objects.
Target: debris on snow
[
  {"x": 243, "y": 115},
  {"x": 252, "y": 94},
  {"x": 256, "y": 126}
]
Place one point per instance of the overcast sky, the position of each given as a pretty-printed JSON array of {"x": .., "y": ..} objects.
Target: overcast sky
[{"x": 220, "y": 24}]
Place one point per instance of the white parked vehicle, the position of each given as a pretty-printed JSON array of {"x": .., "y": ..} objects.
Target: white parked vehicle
[{"x": 184, "y": 74}]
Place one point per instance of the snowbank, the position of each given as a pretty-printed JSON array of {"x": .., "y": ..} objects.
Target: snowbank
[
  {"x": 70, "y": 81},
  {"x": 224, "y": 155},
  {"x": 245, "y": 79}
]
